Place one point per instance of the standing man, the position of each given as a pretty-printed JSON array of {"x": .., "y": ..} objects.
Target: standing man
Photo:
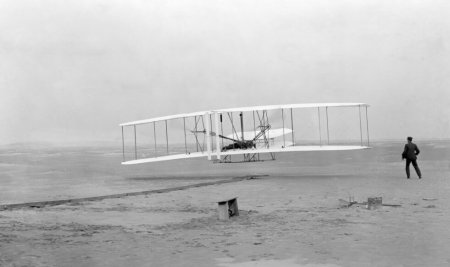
[{"x": 410, "y": 154}]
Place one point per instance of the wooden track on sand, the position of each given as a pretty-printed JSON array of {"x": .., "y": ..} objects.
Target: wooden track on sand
[{"x": 41, "y": 204}]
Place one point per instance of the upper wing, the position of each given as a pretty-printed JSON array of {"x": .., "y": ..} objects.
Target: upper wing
[
  {"x": 165, "y": 118},
  {"x": 293, "y": 106}
]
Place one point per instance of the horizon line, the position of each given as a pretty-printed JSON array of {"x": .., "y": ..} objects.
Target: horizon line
[{"x": 103, "y": 142}]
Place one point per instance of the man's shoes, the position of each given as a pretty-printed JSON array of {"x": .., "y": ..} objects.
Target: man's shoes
[{"x": 420, "y": 177}]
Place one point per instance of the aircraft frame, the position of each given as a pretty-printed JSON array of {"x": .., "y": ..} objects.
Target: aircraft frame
[{"x": 208, "y": 132}]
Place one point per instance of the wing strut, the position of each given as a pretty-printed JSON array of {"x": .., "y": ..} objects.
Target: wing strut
[
  {"x": 367, "y": 123},
  {"x": 320, "y": 130},
  {"x": 328, "y": 131},
  {"x": 204, "y": 136},
  {"x": 282, "y": 117},
  {"x": 210, "y": 130},
  {"x": 254, "y": 123},
  {"x": 268, "y": 124},
  {"x": 154, "y": 134},
  {"x": 221, "y": 128},
  {"x": 241, "y": 115},
  {"x": 264, "y": 125},
  {"x": 123, "y": 146},
  {"x": 232, "y": 124},
  {"x": 292, "y": 127},
  {"x": 167, "y": 139},
  {"x": 135, "y": 145},
  {"x": 208, "y": 137},
  {"x": 360, "y": 124},
  {"x": 216, "y": 117},
  {"x": 195, "y": 134},
  {"x": 184, "y": 127}
]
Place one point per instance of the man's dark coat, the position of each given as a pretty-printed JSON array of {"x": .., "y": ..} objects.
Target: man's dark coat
[{"x": 411, "y": 151}]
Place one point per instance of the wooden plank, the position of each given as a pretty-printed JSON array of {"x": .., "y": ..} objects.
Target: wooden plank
[{"x": 223, "y": 211}]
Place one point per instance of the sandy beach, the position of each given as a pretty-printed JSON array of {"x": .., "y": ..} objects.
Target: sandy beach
[{"x": 291, "y": 215}]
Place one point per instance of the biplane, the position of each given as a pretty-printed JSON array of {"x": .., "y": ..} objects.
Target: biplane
[{"x": 245, "y": 134}]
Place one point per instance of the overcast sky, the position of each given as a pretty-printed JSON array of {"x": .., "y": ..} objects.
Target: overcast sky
[{"x": 71, "y": 71}]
